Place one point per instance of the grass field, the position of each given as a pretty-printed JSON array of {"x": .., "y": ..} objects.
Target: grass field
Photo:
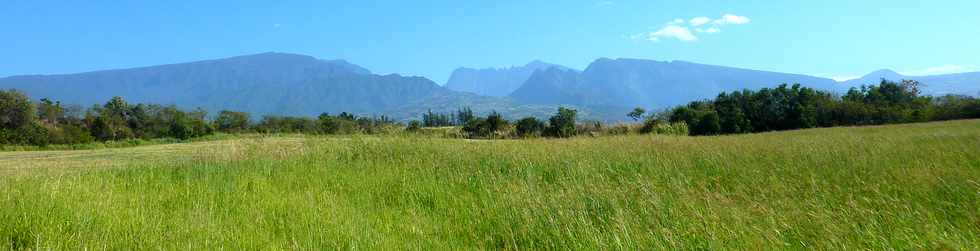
[{"x": 911, "y": 186}]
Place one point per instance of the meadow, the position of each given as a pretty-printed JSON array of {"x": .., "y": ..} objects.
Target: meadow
[{"x": 913, "y": 186}]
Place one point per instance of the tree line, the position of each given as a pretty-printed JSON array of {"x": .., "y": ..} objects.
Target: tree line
[
  {"x": 23, "y": 122},
  {"x": 495, "y": 126},
  {"x": 563, "y": 124},
  {"x": 795, "y": 107}
]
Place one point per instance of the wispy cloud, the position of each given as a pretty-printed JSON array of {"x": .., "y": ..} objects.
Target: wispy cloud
[
  {"x": 942, "y": 69},
  {"x": 685, "y": 29},
  {"x": 711, "y": 30},
  {"x": 844, "y": 78},
  {"x": 699, "y": 21},
  {"x": 732, "y": 19},
  {"x": 673, "y": 31}
]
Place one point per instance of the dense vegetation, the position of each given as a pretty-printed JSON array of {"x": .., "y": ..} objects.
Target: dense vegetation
[
  {"x": 897, "y": 187},
  {"x": 23, "y": 122},
  {"x": 786, "y": 108}
]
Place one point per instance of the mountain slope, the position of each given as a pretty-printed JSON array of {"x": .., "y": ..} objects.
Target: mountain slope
[
  {"x": 493, "y": 81},
  {"x": 959, "y": 84},
  {"x": 275, "y": 84},
  {"x": 647, "y": 83},
  {"x": 263, "y": 84}
]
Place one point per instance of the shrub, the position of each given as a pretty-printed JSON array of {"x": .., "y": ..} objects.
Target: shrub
[
  {"x": 620, "y": 129},
  {"x": 414, "y": 126},
  {"x": 529, "y": 127},
  {"x": 562, "y": 125}
]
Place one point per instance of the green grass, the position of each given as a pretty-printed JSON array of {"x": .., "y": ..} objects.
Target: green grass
[{"x": 911, "y": 186}]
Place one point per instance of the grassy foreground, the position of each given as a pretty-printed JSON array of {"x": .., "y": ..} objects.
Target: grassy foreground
[{"x": 892, "y": 187}]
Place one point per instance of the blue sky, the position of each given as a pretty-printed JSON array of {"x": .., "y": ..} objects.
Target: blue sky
[{"x": 828, "y": 38}]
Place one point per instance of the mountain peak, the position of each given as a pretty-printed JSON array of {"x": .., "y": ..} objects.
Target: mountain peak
[
  {"x": 280, "y": 59},
  {"x": 883, "y": 72},
  {"x": 876, "y": 76},
  {"x": 496, "y": 82},
  {"x": 275, "y": 56}
]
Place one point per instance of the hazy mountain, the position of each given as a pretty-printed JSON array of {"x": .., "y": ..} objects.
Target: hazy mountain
[
  {"x": 647, "y": 83},
  {"x": 269, "y": 83},
  {"x": 960, "y": 83},
  {"x": 493, "y": 81},
  {"x": 289, "y": 84},
  {"x": 275, "y": 84}
]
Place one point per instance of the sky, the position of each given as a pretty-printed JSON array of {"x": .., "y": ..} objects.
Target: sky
[{"x": 830, "y": 38}]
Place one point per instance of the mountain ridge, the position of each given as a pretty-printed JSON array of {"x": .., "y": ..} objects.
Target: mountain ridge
[
  {"x": 496, "y": 82},
  {"x": 654, "y": 84},
  {"x": 299, "y": 85},
  {"x": 965, "y": 83}
]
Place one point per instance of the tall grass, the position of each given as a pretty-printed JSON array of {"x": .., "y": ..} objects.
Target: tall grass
[{"x": 891, "y": 187}]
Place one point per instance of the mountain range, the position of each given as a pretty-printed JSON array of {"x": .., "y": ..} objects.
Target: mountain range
[
  {"x": 956, "y": 84},
  {"x": 648, "y": 83},
  {"x": 298, "y": 85},
  {"x": 495, "y": 82}
]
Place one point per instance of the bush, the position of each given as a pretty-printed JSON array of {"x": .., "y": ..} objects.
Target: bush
[
  {"x": 232, "y": 121},
  {"x": 562, "y": 125},
  {"x": 414, "y": 126},
  {"x": 475, "y": 128},
  {"x": 620, "y": 129},
  {"x": 529, "y": 127},
  {"x": 16, "y": 110},
  {"x": 663, "y": 128}
]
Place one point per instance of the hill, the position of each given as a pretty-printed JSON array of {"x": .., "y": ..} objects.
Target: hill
[
  {"x": 278, "y": 84},
  {"x": 957, "y": 84},
  {"x": 263, "y": 84},
  {"x": 648, "y": 83},
  {"x": 495, "y": 82}
]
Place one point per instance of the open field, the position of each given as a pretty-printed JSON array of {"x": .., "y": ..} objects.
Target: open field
[{"x": 911, "y": 186}]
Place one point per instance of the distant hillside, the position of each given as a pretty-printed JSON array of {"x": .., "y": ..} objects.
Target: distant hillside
[
  {"x": 492, "y": 81},
  {"x": 269, "y": 83},
  {"x": 959, "y": 84},
  {"x": 297, "y": 85},
  {"x": 647, "y": 83},
  {"x": 274, "y": 84}
]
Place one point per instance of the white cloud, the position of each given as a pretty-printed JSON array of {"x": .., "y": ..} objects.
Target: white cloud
[
  {"x": 843, "y": 78},
  {"x": 684, "y": 30},
  {"x": 943, "y": 69},
  {"x": 673, "y": 31},
  {"x": 698, "y": 21},
  {"x": 711, "y": 30},
  {"x": 732, "y": 19}
]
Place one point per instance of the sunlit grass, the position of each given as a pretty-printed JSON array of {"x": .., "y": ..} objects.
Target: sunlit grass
[{"x": 891, "y": 187}]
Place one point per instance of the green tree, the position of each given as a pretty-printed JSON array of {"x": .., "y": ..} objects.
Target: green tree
[
  {"x": 709, "y": 124},
  {"x": 16, "y": 110},
  {"x": 232, "y": 121},
  {"x": 495, "y": 123},
  {"x": 562, "y": 124},
  {"x": 464, "y": 115},
  {"x": 637, "y": 113},
  {"x": 414, "y": 126},
  {"x": 336, "y": 124},
  {"x": 529, "y": 127},
  {"x": 476, "y": 127},
  {"x": 50, "y": 112}
]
